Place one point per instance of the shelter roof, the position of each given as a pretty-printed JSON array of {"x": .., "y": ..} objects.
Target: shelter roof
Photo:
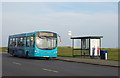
[{"x": 87, "y": 37}]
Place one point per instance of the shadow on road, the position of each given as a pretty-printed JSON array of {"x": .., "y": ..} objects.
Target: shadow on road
[{"x": 30, "y": 58}]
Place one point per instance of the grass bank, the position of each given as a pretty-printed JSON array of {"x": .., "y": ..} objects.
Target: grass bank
[
  {"x": 3, "y": 49},
  {"x": 113, "y": 53},
  {"x": 67, "y": 51}
]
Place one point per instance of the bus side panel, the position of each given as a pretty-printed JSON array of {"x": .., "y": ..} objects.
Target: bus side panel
[
  {"x": 9, "y": 46},
  {"x": 30, "y": 51},
  {"x": 11, "y": 49},
  {"x": 20, "y": 51}
]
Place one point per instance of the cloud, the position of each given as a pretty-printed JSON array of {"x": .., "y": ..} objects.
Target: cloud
[
  {"x": 79, "y": 23},
  {"x": 60, "y": 1},
  {"x": 0, "y": 23},
  {"x": 22, "y": 17}
]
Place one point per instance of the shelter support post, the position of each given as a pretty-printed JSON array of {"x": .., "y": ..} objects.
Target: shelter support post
[{"x": 73, "y": 47}]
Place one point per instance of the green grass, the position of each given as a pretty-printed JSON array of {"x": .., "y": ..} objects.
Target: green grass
[
  {"x": 3, "y": 49},
  {"x": 113, "y": 53},
  {"x": 67, "y": 51}
]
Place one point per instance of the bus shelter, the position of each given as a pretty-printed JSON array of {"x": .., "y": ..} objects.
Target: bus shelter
[{"x": 89, "y": 46}]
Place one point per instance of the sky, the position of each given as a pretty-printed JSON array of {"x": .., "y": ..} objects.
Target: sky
[{"x": 82, "y": 18}]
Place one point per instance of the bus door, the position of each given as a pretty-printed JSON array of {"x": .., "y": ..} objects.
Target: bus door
[{"x": 30, "y": 46}]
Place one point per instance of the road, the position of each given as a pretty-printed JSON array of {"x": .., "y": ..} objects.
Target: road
[{"x": 15, "y": 66}]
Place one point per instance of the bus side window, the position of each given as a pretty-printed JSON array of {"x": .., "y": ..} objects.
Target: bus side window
[
  {"x": 21, "y": 41},
  {"x": 24, "y": 41},
  {"x": 16, "y": 42},
  {"x": 28, "y": 42},
  {"x": 10, "y": 41},
  {"x": 31, "y": 41}
]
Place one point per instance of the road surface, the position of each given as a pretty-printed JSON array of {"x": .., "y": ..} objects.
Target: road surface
[{"x": 15, "y": 66}]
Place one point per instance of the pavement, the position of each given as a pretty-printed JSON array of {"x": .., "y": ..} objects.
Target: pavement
[{"x": 90, "y": 61}]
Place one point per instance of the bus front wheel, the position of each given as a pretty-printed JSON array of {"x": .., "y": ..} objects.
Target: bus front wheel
[{"x": 47, "y": 58}]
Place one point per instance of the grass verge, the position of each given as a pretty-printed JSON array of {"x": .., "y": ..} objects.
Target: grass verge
[
  {"x": 113, "y": 53},
  {"x": 3, "y": 49}
]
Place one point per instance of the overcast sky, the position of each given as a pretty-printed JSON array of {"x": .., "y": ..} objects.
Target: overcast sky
[{"x": 82, "y": 18}]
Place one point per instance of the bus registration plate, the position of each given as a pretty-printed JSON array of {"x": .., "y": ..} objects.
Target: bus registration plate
[{"x": 45, "y": 56}]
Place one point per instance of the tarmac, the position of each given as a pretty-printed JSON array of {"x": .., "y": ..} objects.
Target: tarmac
[{"x": 90, "y": 61}]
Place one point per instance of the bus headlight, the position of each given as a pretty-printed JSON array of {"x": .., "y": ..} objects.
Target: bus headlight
[
  {"x": 55, "y": 52},
  {"x": 36, "y": 51}
]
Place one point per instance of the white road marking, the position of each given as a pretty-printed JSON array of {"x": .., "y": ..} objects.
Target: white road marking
[
  {"x": 55, "y": 71},
  {"x": 50, "y": 70},
  {"x": 16, "y": 63}
]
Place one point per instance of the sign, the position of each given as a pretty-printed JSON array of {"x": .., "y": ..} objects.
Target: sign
[
  {"x": 85, "y": 43},
  {"x": 46, "y": 34},
  {"x": 31, "y": 38}
]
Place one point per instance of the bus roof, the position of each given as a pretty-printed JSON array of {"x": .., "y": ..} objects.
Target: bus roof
[{"x": 29, "y": 33}]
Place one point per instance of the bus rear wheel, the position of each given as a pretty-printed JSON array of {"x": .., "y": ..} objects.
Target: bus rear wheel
[
  {"x": 47, "y": 58},
  {"x": 26, "y": 55}
]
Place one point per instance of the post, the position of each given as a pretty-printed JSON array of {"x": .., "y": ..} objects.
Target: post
[
  {"x": 89, "y": 46},
  {"x": 81, "y": 47},
  {"x": 70, "y": 35},
  {"x": 93, "y": 49},
  {"x": 73, "y": 47},
  {"x": 105, "y": 56}
]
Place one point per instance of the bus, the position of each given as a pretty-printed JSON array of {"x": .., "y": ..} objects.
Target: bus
[{"x": 34, "y": 44}]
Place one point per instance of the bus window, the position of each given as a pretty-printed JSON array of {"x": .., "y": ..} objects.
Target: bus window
[
  {"x": 46, "y": 42},
  {"x": 16, "y": 42},
  {"x": 10, "y": 40},
  {"x": 24, "y": 41},
  {"x": 21, "y": 41},
  {"x": 28, "y": 42},
  {"x": 13, "y": 42},
  {"x": 31, "y": 41}
]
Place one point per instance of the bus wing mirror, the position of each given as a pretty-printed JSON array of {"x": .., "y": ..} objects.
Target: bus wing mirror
[{"x": 59, "y": 39}]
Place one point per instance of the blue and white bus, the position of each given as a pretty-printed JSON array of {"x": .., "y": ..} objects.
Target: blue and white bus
[{"x": 34, "y": 44}]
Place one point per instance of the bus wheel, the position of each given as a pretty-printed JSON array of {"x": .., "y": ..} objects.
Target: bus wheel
[
  {"x": 47, "y": 58},
  {"x": 53, "y": 57},
  {"x": 26, "y": 55}
]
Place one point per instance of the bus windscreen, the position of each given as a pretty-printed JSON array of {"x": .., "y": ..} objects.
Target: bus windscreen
[{"x": 46, "y": 40}]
